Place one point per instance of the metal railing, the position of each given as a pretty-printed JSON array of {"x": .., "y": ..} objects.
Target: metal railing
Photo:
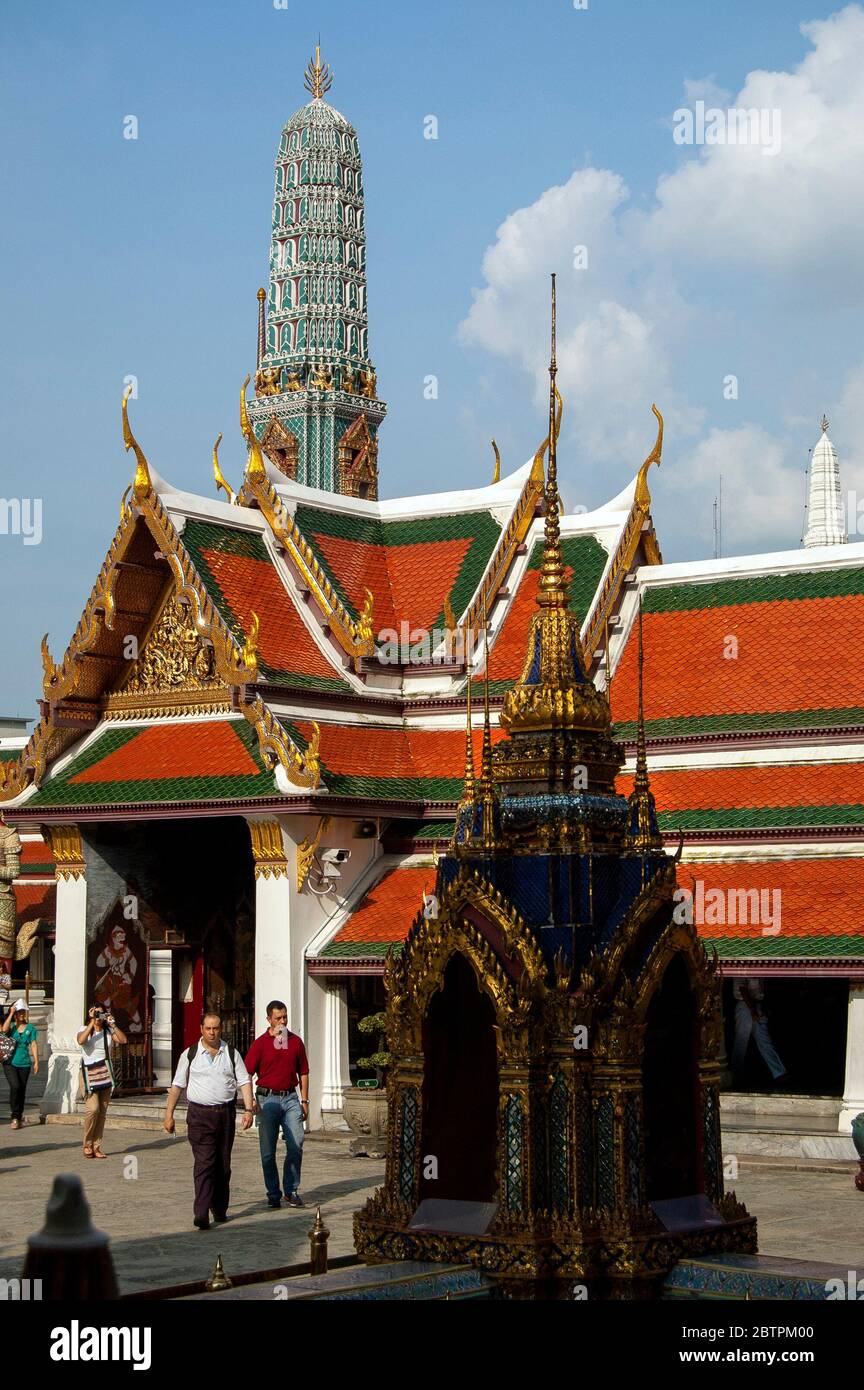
[{"x": 133, "y": 1065}]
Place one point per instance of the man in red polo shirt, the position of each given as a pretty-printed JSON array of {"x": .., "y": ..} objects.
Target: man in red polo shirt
[{"x": 278, "y": 1058}]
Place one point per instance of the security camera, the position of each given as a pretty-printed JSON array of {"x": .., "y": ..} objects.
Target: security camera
[{"x": 335, "y": 856}]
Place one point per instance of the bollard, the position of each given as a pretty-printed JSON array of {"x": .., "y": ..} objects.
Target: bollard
[
  {"x": 72, "y": 1259},
  {"x": 218, "y": 1279},
  {"x": 318, "y": 1237}
]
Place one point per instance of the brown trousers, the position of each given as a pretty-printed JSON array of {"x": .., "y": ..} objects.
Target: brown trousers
[
  {"x": 211, "y": 1131},
  {"x": 95, "y": 1110}
]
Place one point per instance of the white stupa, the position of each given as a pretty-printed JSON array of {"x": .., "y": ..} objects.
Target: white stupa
[{"x": 825, "y": 524}]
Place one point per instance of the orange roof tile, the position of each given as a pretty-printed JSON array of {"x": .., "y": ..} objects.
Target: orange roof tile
[
  {"x": 818, "y": 897},
  {"x": 35, "y": 900},
  {"x": 408, "y": 582},
  {"x": 387, "y": 910},
  {"x": 786, "y": 658},
  {"x": 701, "y": 788},
  {"x": 284, "y": 641},
  {"x": 171, "y": 750}
]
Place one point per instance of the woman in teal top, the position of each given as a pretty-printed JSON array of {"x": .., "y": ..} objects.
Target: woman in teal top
[{"x": 17, "y": 1067}]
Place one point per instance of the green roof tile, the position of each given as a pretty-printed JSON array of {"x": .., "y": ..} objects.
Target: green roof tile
[
  {"x": 768, "y": 588},
  {"x": 788, "y": 948}
]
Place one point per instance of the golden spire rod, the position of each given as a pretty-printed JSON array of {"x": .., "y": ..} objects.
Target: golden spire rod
[
  {"x": 553, "y": 590},
  {"x": 317, "y": 78},
  {"x": 640, "y": 782},
  {"x": 262, "y": 327},
  {"x": 645, "y": 835},
  {"x": 469, "y": 742},
  {"x": 486, "y": 763}
]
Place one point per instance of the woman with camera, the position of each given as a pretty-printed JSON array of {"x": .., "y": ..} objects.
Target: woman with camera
[
  {"x": 19, "y": 1055},
  {"x": 96, "y": 1041}
]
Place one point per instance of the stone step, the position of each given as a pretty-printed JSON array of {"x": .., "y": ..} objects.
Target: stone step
[
  {"x": 746, "y": 1141},
  {"x": 777, "y": 1103}
]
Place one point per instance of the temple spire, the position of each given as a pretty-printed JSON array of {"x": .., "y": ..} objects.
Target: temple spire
[
  {"x": 825, "y": 500},
  {"x": 553, "y": 586},
  {"x": 317, "y": 412},
  {"x": 317, "y": 78}
]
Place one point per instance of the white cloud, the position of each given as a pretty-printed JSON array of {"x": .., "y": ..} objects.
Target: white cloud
[
  {"x": 763, "y": 497},
  {"x": 802, "y": 208},
  {"x": 633, "y": 327}
]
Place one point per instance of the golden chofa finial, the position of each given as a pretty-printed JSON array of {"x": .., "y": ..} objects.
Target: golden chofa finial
[
  {"x": 317, "y": 78},
  {"x": 217, "y": 472},
  {"x": 255, "y": 470},
  {"x": 643, "y": 496},
  {"x": 496, "y": 476},
  {"x": 142, "y": 484}
]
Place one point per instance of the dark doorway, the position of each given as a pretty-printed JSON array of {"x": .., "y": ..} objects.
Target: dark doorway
[
  {"x": 670, "y": 1082},
  {"x": 460, "y": 1089},
  {"x": 807, "y": 1025}
]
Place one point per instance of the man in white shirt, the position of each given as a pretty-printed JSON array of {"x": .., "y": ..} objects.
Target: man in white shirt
[{"x": 211, "y": 1079}]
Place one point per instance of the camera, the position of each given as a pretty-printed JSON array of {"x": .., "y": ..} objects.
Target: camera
[{"x": 330, "y": 858}]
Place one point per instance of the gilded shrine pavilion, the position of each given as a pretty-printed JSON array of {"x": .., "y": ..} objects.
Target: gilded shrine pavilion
[{"x": 249, "y": 772}]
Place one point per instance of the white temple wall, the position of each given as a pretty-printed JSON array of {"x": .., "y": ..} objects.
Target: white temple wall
[{"x": 287, "y": 920}]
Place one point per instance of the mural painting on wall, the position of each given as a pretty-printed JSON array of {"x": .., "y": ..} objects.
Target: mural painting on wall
[{"x": 117, "y": 970}]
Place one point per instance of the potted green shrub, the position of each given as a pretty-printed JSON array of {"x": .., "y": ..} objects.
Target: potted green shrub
[{"x": 364, "y": 1107}]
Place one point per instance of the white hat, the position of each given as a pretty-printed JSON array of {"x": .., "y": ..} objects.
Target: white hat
[{"x": 21, "y": 1007}]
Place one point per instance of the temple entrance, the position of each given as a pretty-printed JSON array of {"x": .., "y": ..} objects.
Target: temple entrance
[
  {"x": 670, "y": 1086},
  {"x": 460, "y": 1089},
  {"x": 181, "y": 892}
]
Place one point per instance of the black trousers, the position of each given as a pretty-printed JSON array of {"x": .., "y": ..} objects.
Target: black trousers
[
  {"x": 17, "y": 1078},
  {"x": 211, "y": 1131}
]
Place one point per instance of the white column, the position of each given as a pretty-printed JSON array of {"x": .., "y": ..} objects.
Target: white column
[
  {"x": 335, "y": 1074},
  {"x": 272, "y": 955},
  {"x": 160, "y": 979},
  {"x": 70, "y": 1005},
  {"x": 853, "y": 1090},
  {"x": 273, "y": 965}
]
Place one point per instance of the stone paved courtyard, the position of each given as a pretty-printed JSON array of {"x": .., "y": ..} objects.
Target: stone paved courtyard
[
  {"x": 149, "y": 1217},
  {"x": 806, "y": 1214}
]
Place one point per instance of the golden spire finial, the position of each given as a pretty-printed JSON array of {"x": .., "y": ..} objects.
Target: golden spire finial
[
  {"x": 317, "y": 78},
  {"x": 824, "y": 423},
  {"x": 142, "y": 484},
  {"x": 553, "y": 587},
  {"x": 255, "y": 470}
]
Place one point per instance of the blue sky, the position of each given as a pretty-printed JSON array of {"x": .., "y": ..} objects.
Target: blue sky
[{"x": 555, "y": 129}]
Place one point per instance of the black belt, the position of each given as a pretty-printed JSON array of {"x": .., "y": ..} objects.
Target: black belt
[{"x": 265, "y": 1091}]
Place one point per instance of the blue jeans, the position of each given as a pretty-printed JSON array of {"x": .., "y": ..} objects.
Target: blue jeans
[
  {"x": 280, "y": 1112},
  {"x": 745, "y": 1025}
]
